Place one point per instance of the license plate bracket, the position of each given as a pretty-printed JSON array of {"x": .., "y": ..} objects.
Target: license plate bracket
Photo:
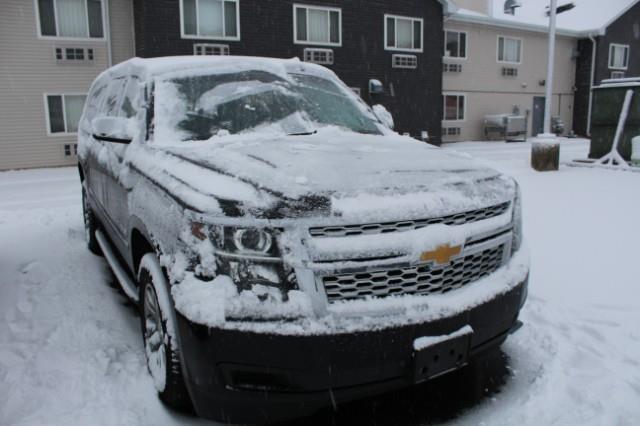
[{"x": 438, "y": 355}]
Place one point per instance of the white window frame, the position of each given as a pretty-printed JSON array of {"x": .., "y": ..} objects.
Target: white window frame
[
  {"x": 209, "y": 37},
  {"x": 624, "y": 46},
  {"x": 402, "y": 49},
  {"x": 444, "y": 108},
  {"x": 222, "y": 47},
  {"x": 466, "y": 45},
  {"x": 498, "y": 49},
  {"x": 399, "y": 58},
  {"x": 105, "y": 30},
  {"x": 308, "y": 7},
  {"x": 64, "y": 59},
  {"x": 624, "y": 74},
  {"x": 64, "y": 112},
  {"x": 311, "y": 50}
]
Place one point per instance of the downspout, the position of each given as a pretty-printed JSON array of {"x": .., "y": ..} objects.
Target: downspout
[
  {"x": 591, "y": 82},
  {"x": 108, "y": 33}
]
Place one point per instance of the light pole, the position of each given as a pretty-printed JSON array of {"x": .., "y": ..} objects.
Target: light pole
[
  {"x": 553, "y": 9},
  {"x": 545, "y": 148}
]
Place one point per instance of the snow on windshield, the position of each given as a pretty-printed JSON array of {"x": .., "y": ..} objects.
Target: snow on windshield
[{"x": 199, "y": 107}]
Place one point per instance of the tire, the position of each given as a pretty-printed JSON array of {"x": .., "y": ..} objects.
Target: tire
[
  {"x": 90, "y": 225},
  {"x": 157, "y": 321}
]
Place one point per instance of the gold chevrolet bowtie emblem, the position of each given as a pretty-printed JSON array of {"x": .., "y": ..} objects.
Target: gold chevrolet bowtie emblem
[{"x": 442, "y": 254}]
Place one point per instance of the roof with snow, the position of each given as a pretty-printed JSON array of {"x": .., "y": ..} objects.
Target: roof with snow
[
  {"x": 588, "y": 17},
  {"x": 149, "y": 67}
]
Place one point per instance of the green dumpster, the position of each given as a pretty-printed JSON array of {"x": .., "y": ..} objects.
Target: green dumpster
[{"x": 607, "y": 105}]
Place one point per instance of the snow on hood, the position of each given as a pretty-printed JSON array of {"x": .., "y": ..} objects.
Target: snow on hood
[{"x": 354, "y": 174}]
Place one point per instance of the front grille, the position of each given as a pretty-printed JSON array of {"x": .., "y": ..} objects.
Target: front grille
[
  {"x": 422, "y": 279},
  {"x": 408, "y": 225}
]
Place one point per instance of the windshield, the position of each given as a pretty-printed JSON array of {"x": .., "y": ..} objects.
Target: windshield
[{"x": 200, "y": 107}]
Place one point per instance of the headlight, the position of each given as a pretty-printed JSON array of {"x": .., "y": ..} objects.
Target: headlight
[
  {"x": 249, "y": 241},
  {"x": 252, "y": 240},
  {"x": 517, "y": 221}
]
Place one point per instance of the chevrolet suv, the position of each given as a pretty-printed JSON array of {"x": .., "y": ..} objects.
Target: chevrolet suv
[{"x": 286, "y": 250}]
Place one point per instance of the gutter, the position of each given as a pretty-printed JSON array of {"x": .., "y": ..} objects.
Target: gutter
[{"x": 591, "y": 82}]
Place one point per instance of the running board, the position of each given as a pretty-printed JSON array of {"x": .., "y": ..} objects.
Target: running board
[{"x": 127, "y": 285}]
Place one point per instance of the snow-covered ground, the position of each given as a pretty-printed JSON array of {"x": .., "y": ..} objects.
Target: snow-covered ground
[{"x": 71, "y": 351}]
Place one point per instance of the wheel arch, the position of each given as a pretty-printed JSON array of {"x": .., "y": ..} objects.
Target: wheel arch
[{"x": 140, "y": 243}]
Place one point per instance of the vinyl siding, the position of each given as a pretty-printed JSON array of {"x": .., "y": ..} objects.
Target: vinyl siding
[
  {"x": 29, "y": 70},
  {"x": 488, "y": 92}
]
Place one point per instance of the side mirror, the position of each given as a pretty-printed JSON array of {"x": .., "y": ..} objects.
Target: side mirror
[
  {"x": 383, "y": 115},
  {"x": 111, "y": 129}
]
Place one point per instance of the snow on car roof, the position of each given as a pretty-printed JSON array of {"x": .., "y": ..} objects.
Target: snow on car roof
[
  {"x": 146, "y": 68},
  {"x": 587, "y": 17}
]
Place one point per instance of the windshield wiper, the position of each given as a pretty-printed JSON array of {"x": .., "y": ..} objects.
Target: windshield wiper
[{"x": 303, "y": 133}]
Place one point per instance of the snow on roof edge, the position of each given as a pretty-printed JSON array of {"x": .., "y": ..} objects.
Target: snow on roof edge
[
  {"x": 469, "y": 16},
  {"x": 448, "y": 7},
  {"x": 617, "y": 16},
  {"x": 150, "y": 67}
]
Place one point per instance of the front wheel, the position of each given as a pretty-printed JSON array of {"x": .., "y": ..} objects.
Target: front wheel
[{"x": 159, "y": 334}]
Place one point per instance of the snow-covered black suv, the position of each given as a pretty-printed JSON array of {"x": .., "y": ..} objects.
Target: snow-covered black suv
[{"x": 287, "y": 251}]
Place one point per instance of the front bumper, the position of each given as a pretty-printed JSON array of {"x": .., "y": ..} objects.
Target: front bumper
[{"x": 239, "y": 375}]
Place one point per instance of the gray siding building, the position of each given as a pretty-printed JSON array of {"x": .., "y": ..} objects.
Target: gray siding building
[{"x": 51, "y": 51}]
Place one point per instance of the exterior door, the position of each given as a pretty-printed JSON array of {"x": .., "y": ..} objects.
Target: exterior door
[{"x": 537, "y": 123}]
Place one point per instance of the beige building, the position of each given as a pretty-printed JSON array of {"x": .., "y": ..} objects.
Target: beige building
[
  {"x": 50, "y": 53},
  {"x": 498, "y": 66}
]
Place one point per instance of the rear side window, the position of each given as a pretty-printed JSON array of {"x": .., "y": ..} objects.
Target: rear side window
[
  {"x": 94, "y": 99},
  {"x": 110, "y": 104},
  {"x": 131, "y": 98}
]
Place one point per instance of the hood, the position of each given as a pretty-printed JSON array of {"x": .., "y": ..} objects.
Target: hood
[{"x": 333, "y": 173}]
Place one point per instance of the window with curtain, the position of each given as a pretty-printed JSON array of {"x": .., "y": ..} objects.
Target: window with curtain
[
  {"x": 455, "y": 44},
  {"x": 509, "y": 50},
  {"x": 64, "y": 112},
  {"x": 71, "y": 18},
  {"x": 317, "y": 25},
  {"x": 210, "y": 19},
  {"x": 403, "y": 33},
  {"x": 454, "y": 107},
  {"x": 618, "y": 56}
]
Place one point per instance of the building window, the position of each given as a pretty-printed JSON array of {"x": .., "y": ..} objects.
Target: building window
[
  {"x": 404, "y": 61},
  {"x": 455, "y": 44},
  {"x": 509, "y": 50},
  {"x": 403, "y": 33},
  {"x": 317, "y": 25},
  {"x": 210, "y": 49},
  {"x": 618, "y": 56},
  {"x": 319, "y": 56},
  {"x": 210, "y": 19},
  {"x": 70, "y": 18},
  {"x": 63, "y": 113},
  {"x": 452, "y": 67},
  {"x": 454, "y": 107},
  {"x": 618, "y": 74}
]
